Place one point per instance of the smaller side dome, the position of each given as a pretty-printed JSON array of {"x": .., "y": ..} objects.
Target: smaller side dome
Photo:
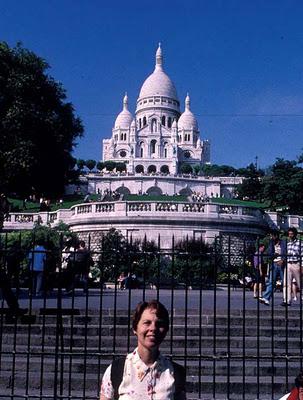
[
  {"x": 187, "y": 119},
  {"x": 124, "y": 119}
]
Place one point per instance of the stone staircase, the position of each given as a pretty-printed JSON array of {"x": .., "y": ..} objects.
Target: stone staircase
[{"x": 231, "y": 359}]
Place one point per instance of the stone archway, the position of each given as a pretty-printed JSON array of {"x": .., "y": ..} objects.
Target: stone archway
[
  {"x": 139, "y": 169},
  {"x": 154, "y": 191},
  {"x": 123, "y": 190},
  {"x": 164, "y": 169},
  {"x": 186, "y": 191},
  {"x": 151, "y": 169}
]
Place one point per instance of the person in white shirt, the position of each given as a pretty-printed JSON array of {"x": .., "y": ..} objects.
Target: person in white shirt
[{"x": 146, "y": 373}]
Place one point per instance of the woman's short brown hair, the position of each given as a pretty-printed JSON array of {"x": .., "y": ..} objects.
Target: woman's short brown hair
[{"x": 161, "y": 312}]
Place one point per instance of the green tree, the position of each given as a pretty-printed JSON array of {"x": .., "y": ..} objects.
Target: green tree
[
  {"x": 121, "y": 166},
  {"x": 197, "y": 169},
  {"x": 192, "y": 263},
  {"x": 121, "y": 255},
  {"x": 36, "y": 125},
  {"x": 283, "y": 186},
  {"x": 90, "y": 164},
  {"x": 4, "y": 208},
  {"x": 110, "y": 165},
  {"x": 113, "y": 255},
  {"x": 17, "y": 245},
  {"x": 80, "y": 164},
  {"x": 252, "y": 186},
  {"x": 186, "y": 169},
  {"x": 100, "y": 165},
  {"x": 218, "y": 170}
]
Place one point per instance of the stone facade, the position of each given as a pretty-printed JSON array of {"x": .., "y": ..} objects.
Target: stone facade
[{"x": 159, "y": 138}]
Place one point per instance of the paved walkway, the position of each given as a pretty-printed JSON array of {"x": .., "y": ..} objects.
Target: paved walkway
[{"x": 180, "y": 299}]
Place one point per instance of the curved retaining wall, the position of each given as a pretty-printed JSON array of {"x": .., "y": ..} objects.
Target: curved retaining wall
[{"x": 150, "y": 218}]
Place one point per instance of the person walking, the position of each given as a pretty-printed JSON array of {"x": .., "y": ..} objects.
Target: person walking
[
  {"x": 293, "y": 266},
  {"x": 277, "y": 253},
  {"x": 37, "y": 259},
  {"x": 259, "y": 271},
  {"x": 82, "y": 264},
  {"x": 66, "y": 270}
]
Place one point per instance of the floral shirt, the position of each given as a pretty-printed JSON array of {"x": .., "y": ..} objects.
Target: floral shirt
[{"x": 141, "y": 382}]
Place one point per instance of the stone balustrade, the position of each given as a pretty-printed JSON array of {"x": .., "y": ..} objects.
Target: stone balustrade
[
  {"x": 155, "y": 219},
  {"x": 94, "y": 212}
]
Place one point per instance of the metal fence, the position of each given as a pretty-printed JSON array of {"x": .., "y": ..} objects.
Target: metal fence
[{"x": 232, "y": 345}]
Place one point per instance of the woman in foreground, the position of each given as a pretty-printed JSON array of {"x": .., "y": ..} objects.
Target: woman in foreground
[{"x": 145, "y": 374}]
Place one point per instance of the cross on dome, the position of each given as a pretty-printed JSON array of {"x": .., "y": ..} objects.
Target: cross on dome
[
  {"x": 159, "y": 58},
  {"x": 158, "y": 83},
  {"x": 187, "y": 102},
  {"x": 187, "y": 119},
  {"x": 125, "y": 102},
  {"x": 125, "y": 118}
]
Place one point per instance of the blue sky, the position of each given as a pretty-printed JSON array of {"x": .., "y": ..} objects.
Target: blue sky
[{"x": 241, "y": 61}]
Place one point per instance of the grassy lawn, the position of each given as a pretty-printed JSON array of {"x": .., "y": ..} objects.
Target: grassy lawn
[
  {"x": 136, "y": 197},
  {"x": 68, "y": 201},
  {"x": 235, "y": 202}
]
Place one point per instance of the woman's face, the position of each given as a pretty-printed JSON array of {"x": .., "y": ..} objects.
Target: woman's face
[
  {"x": 300, "y": 393},
  {"x": 151, "y": 330}
]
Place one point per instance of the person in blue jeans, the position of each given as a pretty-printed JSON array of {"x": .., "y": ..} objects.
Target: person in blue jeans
[
  {"x": 277, "y": 251},
  {"x": 37, "y": 260}
]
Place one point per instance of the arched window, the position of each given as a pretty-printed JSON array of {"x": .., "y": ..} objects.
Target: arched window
[
  {"x": 163, "y": 120},
  {"x": 124, "y": 136},
  {"x": 165, "y": 145},
  {"x": 188, "y": 137},
  {"x": 169, "y": 122},
  {"x": 121, "y": 136},
  {"x": 153, "y": 146},
  {"x": 144, "y": 121},
  {"x": 141, "y": 151},
  {"x": 140, "y": 123}
]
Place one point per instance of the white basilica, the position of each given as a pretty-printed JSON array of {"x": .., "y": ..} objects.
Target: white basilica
[{"x": 160, "y": 138}]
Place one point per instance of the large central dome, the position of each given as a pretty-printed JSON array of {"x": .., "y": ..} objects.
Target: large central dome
[{"x": 158, "y": 83}]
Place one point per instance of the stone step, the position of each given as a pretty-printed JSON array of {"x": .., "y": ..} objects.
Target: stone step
[
  {"x": 85, "y": 329},
  {"x": 279, "y": 317},
  {"x": 178, "y": 353},
  {"x": 92, "y": 365},
  {"x": 191, "y": 342},
  {"x": 90, "y": 382}
]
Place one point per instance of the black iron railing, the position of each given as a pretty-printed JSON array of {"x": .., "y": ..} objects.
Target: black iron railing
[{"x": 232, "y": 345}]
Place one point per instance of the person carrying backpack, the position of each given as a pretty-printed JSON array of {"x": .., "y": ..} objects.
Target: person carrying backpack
[{"x": 145, "y": 374}]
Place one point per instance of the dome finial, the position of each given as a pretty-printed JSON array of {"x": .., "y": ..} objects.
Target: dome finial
[
  {"x": 159, "y": 58},
  {"x": 187, "y": 102},
  {"x": 125, "y": 102}
]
